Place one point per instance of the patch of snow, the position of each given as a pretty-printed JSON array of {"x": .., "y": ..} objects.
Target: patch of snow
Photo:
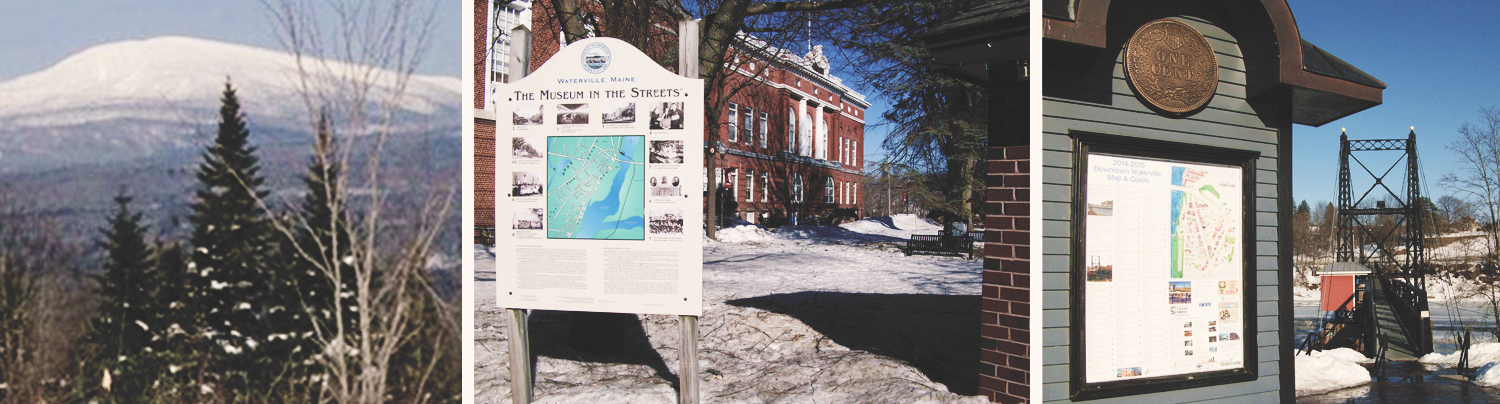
[
  {"x": 1323, "y": 372},
  {"x": 1489, "y": 375},
  {"x": 1484, "y": 352},
  {"x": 765, "y": 330},
  {"x": 1342, "y": 354},
  {"x": 743, "y": 234}
]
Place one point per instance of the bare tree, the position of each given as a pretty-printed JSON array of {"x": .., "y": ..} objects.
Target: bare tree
[
  {"x": 358, "y": 72},
  {"x": 727, "y": 51},
  {"x": 42, "y": 307},
  {"x": 1478, "y": 181},
  {"x": 1478, "y": 176}
]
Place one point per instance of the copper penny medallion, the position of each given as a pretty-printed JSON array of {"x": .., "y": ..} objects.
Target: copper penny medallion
[{"x": 1171, "y": 66}]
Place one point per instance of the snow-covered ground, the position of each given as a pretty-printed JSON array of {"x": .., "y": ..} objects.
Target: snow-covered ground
[
  {"x": 1485, "y": 356},
  {"x": 802, "y": 314},
  {"x": 1325, "y": 371}
]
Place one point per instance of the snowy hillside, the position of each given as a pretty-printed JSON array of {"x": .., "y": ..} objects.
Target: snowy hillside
[
  {"x": 131, "y": 98},
  {"x": 802, "y": 314}
]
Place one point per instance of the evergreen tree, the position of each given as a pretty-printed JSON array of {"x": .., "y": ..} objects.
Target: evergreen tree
[
  {"x": 319, "y": 277},
  {"x": 121, "y": 332},
  {"x": 231, "y": 247},
  {"x": 180, "y": 345}
]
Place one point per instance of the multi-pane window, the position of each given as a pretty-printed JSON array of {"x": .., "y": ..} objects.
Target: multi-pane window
[
  {"x": 734, "y": 181},
  {"x": 750, "y": 186},
  {"x": 791, "y": 130},
  {"x": 718, "y": 177},
  {"x": 764, "y": 119},
  {"x": 855, "y": 155},
  {"x": 796, "y": 187},
  {"x": 733, "y": 122},
  {"x": 844, "y": 150},
  {"x": 749, "y": 124},
  {"x": 828, "y": 190},
  {"x": 765, "y": 185}
]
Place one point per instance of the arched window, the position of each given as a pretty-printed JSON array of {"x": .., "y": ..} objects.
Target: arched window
[
  {"x": 828, "y": 190},
  {"x": 796, "y": 187}
]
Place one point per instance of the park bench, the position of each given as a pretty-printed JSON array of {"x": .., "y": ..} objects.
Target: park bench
[{"x": 940, "y": 243}]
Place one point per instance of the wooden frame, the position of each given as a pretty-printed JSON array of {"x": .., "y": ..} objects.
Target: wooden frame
[{"x": 1086, "y": 144}]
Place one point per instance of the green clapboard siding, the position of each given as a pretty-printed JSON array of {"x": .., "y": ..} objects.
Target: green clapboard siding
[{"x": 1097, "y": 102}]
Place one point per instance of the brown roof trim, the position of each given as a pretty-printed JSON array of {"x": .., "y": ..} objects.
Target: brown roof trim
[{"x": 1089, "y": 30}]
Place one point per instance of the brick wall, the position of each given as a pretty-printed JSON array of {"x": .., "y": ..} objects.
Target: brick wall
[
  {"x": 481, "y": 34},
  {"x": 1005, "y": 333},
  {"x": 484, "y": 173},
  {"x": 484, "y": 130}
]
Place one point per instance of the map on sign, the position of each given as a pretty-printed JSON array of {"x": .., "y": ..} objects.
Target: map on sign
[
  {"x": 596, "y": 187},
  {"x": 1204, "y": 226}
]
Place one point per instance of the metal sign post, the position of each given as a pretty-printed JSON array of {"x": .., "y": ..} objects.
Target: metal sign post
[
  {"x": 521, "y": 376},
  {"x": 687, "y": 66}
]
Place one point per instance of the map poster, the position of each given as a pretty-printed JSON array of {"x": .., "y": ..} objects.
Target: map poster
[
  {"x": 1163, "y": 268},
  {"x": 600, "y": 150}
]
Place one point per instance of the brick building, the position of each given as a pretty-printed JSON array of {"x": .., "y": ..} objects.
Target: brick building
[{"x": 790, "y": 138}]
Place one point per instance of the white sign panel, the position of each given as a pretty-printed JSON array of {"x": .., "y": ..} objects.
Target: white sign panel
[
  {"x": 597, "y": 173},
  {"x": 1163, "y": 268}
]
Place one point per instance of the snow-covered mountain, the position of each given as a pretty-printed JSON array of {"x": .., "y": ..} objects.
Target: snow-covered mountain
[{"x": 141, "y": 98}]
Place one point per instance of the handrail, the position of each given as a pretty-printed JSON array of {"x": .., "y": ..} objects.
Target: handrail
[
  {"x": 1308, "y": 344},
  {"x": 1380, "y": 360},
  {"x": 1342, "y": 315},
  {"x": 1463, "y": 358},
  {"x": 1404, "y": 307},
  {"x": 1371, "y": 328}
]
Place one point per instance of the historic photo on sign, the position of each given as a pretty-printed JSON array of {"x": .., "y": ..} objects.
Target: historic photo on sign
[
  {"x": 666, "y": 115},
  {"x": 526, "y": 184},
  {"x": 525, "y": 148},
  {"x": 526, "y": 114},
  {"x": 527, "y": 219},
  {"x": 665, "y": 186},
  {"x": 618, "y": 113},
  {"x": 572, "y": 114},
  {"x": 667, "y": 221},
  {"x": 666, "y": 152}
]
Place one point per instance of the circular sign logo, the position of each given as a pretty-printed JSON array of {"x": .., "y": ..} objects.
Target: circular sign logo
[
  {"x": 596, "y": 58},
  {"x": 1171, "y": 65}
]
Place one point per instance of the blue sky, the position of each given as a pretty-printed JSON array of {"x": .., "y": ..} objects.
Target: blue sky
[
  {"x": 1437, "y": 59},
  {"x": 37, "y": 34},
  {"x": 1432, "y": 56}
]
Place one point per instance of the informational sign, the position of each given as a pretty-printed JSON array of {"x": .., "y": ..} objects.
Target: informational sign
[
  {"x": 595, "y": 170},
  {"x": 1162, "y": 295}
]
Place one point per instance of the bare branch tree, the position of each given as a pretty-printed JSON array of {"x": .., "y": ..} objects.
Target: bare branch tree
[
  {"x": 358, "y": 71},
  {"x": 1478, "y": 180}
]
